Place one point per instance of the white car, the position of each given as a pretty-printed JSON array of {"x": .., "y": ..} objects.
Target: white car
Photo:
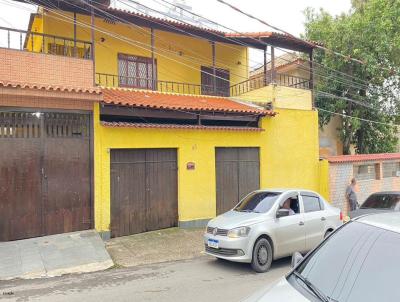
[
  {"x": 271, "y": 224},
  {"x": 355, "y": 263}
]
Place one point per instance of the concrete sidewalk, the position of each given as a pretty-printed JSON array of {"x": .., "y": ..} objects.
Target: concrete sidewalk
[
  {"x": 54, "y": 255},
  {"x": 157, "y": 246}
]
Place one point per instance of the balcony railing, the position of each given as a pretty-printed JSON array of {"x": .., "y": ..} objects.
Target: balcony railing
[
  {"x": 110, "y": 80},
  {"x": 44, "y": 43},
  {"x": 260, "y": 81}
]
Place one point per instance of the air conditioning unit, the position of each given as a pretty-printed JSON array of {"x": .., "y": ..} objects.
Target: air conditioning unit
[{"x": 398, "y": 173}]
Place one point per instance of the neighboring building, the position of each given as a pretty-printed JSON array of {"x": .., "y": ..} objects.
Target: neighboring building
[
  {"x": 165, "y": 129},
  {"x": 373, "y": 172}
]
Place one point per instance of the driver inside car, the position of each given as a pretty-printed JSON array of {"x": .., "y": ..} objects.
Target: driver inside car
[{"x": 286, "y": 205}]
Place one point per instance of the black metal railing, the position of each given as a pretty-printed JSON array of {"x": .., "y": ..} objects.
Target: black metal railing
[
  {"x": 44, "y": 43},
  {"x": 262, "y": 80},
  {"x": 111, "y": 80}
]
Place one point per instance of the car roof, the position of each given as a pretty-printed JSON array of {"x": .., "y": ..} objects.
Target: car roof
[
  {"x": 284, "y": 190},
  {"x": 387, "y": 193},
  {"x": 388, "y": 221}
]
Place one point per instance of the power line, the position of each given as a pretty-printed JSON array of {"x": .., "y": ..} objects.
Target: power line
[
  {"x": 327, "y": 50},
  {"x": 258, "y": 41},
  {"x": 359, "y": 118}
]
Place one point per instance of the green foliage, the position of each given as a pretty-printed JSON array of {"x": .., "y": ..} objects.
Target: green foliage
[{"x": 369, "y": 32}]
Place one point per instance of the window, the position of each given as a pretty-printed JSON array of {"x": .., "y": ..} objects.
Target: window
[
  {"x": 258, "y": 202},
  {"x": 365, "y": 172},
  {"x": 311, "y": 203},
  {"x": 350, "y": 257},
  {"x": 391, "y": 169},
  {"x": 136, "y": 72}
]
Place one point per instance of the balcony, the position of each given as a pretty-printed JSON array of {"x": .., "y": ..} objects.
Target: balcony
[
  {"x": 110, "y": 80},
  {"x": 40, "y": 60},
  {"x": 43, "y": 43}
]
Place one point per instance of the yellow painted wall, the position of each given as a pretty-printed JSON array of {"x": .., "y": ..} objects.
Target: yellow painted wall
[
  {"x": 324, "y": 179},
  {"x": 179, "y": 57},
  {"x": 280, "y": 96},
  {"x": 289, "y": 158},
  {"x": 35, "y": 42}
]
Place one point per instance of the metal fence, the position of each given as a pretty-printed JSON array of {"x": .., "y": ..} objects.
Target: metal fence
[{"x": 44, "y": 43}]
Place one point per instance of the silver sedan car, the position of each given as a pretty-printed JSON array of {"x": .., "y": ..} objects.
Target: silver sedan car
[{"x": 271, "y": 224}]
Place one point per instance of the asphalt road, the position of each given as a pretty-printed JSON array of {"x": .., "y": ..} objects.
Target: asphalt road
[{"x": 200, "y": 279}]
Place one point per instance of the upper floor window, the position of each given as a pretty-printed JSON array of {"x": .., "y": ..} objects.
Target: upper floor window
[
  {"x": 221, "y": 81},
  {"x": 391, "y": 169},
  {"x": 136, "y": 72},
  {"x": 365, "y": 172}
]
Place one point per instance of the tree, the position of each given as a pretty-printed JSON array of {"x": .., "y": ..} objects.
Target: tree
[{"x": 369, "y": 32}]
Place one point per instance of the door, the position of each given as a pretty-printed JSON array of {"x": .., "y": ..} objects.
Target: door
[
  {"x": 290, "y": 230},
  {"x": 314, "y": 220},
  {"x": 237, "y": 174},
  {"x": 144, "y": 190},
  {"x": 222, "y": 84},
  {"x": 45, "y": 174}
]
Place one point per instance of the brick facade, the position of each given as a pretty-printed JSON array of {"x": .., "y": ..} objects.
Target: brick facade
[
  {"x": 43, "y": 69},
  {"x": 340, "y": 174}
]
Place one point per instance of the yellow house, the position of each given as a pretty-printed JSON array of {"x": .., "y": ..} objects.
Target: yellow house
[{"x": 182, "y": 132}]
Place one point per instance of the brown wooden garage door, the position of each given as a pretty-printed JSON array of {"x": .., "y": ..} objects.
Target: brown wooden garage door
[
  {"x": 144, "y": 193},
  {"x": 45, "y": 174},
  {"x": 238, "y": 173}
]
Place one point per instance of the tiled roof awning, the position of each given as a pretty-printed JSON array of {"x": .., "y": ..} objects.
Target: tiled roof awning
[
  {"x": 178, "y": 126},
  {"x": 363, "y": 157},
  {"x": 178, "y": 102}
]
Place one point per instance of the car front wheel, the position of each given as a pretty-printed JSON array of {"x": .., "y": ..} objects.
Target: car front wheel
[{"x": 262, "y": 256}]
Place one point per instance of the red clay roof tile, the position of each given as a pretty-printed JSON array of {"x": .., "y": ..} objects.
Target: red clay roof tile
[
  {"x": 172, "y": 101},
  {"x": 363, "y": 157},
  {"x": 95, "y": 90}
]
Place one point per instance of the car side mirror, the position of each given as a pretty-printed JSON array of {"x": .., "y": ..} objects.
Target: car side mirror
[
  {"x": 282, "y": 213},
  {"x": 296, "y": 258}
]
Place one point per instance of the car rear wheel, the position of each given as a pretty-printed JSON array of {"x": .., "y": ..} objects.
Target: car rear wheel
[{"x": 262, "y": 256}]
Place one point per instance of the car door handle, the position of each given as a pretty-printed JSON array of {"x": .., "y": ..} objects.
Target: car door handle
[
  {"x": 301, "y": 223},
  {"x": 323, "y": 218}
]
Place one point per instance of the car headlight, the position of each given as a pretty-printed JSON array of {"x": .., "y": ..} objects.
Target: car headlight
[{"x": 239, "y": 232}]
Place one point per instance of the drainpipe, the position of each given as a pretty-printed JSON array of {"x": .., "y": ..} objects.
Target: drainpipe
[{"x": 312, "y": 78}]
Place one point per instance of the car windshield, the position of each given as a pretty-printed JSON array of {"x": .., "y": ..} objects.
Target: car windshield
[
  {"x": 257, "y": 202},
  {"x": 381, "y": 201},
  {"x": 355, "y": 264}
]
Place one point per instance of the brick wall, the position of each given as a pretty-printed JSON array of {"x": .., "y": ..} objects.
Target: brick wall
[
  {"x": 340, "y": 175},
  {"x": 35, "y": 68}
]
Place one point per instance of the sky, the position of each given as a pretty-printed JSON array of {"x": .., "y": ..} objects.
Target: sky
[{"x": 285, "y": 14}]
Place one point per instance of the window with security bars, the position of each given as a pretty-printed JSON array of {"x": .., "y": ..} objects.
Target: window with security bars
[
  {"x": 391, "y": 169},
  {"x": 136, "y": 72},
  {"x": 365, "y": 172}
]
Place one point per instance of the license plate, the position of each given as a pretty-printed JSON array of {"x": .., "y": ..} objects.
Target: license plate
[{"x": 213, "y": 243}]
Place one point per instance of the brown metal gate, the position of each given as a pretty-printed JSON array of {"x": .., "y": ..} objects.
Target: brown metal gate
[
  {"x": 45, "y": 174},
  {"x": 144, "y": 190},
  {"x": 237, "y": 173}
]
